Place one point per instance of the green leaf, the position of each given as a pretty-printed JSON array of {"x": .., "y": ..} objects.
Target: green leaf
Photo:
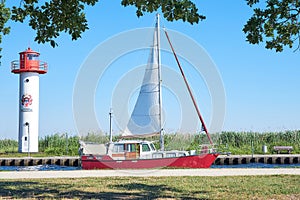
[{"x": 278, "y": 24}]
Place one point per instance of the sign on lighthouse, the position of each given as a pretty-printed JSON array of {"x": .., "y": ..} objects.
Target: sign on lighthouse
[{"x": 29, "y": 67}]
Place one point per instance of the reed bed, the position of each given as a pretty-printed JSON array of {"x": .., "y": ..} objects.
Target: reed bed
[{"x": 234, "y": 142}]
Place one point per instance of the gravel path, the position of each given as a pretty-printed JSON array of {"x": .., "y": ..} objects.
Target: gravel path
[{"x": 147, "y": 173}]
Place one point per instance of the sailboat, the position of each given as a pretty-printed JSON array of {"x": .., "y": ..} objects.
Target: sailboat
[{"x": 146, "y": 121}]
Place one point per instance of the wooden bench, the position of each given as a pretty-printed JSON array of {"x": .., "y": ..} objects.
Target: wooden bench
[{"x": 279, "y": 149}]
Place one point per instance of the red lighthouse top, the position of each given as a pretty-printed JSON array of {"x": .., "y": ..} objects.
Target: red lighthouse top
[{"x": 29, "y": 62}]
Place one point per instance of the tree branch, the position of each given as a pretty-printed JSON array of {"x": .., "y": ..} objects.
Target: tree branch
[{"x": 277, "y": 24}]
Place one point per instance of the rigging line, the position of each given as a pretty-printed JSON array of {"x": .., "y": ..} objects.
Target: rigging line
[{"x": 189, "y": 89}]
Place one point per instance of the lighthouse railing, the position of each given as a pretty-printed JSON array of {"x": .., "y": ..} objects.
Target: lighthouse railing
[
  {"x": 15, "y": 65},
  {"x": 42, "y": 67}
]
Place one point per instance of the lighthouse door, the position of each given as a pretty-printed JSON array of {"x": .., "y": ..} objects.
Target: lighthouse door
[{"x": 25, "y": 143}]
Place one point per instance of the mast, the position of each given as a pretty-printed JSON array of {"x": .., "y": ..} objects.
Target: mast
[
  {"x": 161, "y": 140},
  {"x": 110, "y": 126},
  {"x": 190, "y": 91}
]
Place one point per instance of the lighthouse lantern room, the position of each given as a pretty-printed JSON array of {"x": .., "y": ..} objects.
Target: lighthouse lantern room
[{"x": 29, "y": 67}]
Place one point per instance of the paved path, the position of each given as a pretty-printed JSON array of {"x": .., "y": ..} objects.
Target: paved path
[{"x": 147, "y": 173}]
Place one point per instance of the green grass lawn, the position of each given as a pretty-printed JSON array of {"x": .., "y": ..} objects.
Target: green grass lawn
[{"x": 233, "y": 187}]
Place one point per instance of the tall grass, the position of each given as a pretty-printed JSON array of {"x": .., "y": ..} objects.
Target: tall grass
[
  {"x": 96, "y": 137},
  {"x": 234, "y": 142},
  {"x": 8, "y": 145},
  {"x": 252, "y": 142},
  {"x": 59, "y": 144}
]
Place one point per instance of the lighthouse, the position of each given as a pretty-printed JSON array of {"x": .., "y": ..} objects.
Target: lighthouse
[{"x": 29, "y": 67}]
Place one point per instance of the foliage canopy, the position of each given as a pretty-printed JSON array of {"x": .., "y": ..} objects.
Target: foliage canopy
[
  {"x": 278, "y": 23},
  {"x": 274, "y": 21}
]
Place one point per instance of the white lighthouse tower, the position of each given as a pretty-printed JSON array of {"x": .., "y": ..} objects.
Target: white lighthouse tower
[{"x": 29, "y": 67}]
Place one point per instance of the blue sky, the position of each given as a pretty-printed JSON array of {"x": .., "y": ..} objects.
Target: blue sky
[{"x": 261, "y": 85}]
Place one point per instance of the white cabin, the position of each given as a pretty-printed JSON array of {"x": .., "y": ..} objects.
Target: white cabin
[{"x": 130, "y": 150}]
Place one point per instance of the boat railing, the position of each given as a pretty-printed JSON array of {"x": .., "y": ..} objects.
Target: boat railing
[
  {"x": 207, "y": 148},
  {"x": 169, "y": 154},
  {"x": 214, "y": 149}
]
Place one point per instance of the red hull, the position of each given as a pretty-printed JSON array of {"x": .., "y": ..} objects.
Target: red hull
[{"x": 105, "y": 162}]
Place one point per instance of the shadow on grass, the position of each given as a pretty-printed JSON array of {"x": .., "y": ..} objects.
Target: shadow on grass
[
  {"x": 148, "y": 191},
  {"x": 33, "y": 189}
]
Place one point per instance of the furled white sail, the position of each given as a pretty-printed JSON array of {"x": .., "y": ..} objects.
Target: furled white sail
[{"x": 145, "y": 119}]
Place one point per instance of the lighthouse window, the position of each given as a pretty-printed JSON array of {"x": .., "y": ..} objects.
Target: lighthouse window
[
  {"x": 25, "y": 138},
  {"x": 32, "y": 56},
  {"x": 27, "y": 80}
]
